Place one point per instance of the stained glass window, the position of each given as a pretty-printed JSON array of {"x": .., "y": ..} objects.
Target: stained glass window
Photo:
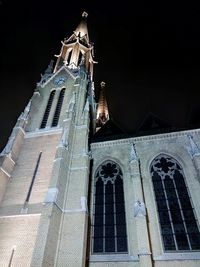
[
  {"x": 179, "y": 226},
  {"x": 109, "y": 222}
]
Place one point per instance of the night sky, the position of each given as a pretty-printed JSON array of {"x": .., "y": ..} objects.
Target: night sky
[{"x": 147, "y": 53}]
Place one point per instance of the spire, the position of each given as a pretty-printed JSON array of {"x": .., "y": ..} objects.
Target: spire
[
  {"x": 102, "y": 110},
  {"x": 75, "y": 48},
  {"x": 82, "y": 30}
]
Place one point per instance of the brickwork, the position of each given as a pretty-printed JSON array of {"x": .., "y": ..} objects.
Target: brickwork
[
  {"x": 71, "y": 253},
  {"x": 21, "y": 230},
  {"x": 24, "y": 169},
  {"x": 18, "y": 233}
]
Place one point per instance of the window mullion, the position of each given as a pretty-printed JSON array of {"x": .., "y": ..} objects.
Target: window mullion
[
  {"x": 104, "y": 215},
  {"x": 114, "y": 210},
  {"x": 111, "y": 198},
  {"x": 182, "y": 215},
  {"x": 169, "y": 212},
  {"x": 93, "y": 218}
]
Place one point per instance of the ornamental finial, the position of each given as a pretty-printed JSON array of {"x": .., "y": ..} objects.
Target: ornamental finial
[{"x": 84, "y": 14}]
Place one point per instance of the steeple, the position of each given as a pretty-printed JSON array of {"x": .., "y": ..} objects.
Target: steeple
[
  {"x": 82, "y": 29},
  {"x": 102, "y": 110},
  {"x": 77, "y": 47}
]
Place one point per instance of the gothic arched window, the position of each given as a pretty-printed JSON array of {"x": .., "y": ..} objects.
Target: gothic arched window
[
  {"x": 58, "y": 108},
  {"x": 79, "y": 58},
  {"x": 69, "y": 56},
  {"x": 179, "y": 226},
  {"x": 47, "y": 110},
  {"x": 109, "y": 222}
]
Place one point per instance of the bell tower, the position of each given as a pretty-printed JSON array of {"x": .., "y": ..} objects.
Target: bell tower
[
  {"x": 77, "y": 48},
  {"x": 44, "y": 168}
]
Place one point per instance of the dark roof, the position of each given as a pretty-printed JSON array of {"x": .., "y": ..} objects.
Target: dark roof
[{"x": 151, "y": 125}]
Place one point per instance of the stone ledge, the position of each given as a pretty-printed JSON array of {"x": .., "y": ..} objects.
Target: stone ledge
[
  {"x": 113, "y": 258},
  {"x": 15, "y": 210},
  {"x": 143, "y": 138},
  {"x": 178, "y": 256},
  {"x": 48, "y": 131},
  {"x": 19, "y": 215}
]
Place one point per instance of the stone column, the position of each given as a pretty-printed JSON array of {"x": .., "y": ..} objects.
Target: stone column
[{"x": 140, "y": 213}]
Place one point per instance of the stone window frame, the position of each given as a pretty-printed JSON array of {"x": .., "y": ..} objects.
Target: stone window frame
[
  {"x": 104, "y": 255},
  {"x": 170, "y": 173},
  {"x": 58, "y": 108},
  {"x": 47, "y": 109}
]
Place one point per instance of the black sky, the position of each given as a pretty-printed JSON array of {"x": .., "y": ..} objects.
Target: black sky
[{"x": 147, "y": 53}]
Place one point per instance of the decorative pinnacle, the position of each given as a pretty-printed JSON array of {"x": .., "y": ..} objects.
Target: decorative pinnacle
[
  {"x": 102, "y": 110},
  {"x": 194, "y": 149},
  {"x": 133, "y": 156},
  {"x": 102, "y": 84},
  {"x": 84, "y": 14}
]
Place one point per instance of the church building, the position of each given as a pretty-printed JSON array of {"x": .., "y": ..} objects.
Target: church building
[{"x": 76, "y": 192}]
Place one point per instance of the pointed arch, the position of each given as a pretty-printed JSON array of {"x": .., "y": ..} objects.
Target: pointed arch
[
  {"x": 79, "y": 57},
  {"x": 58, "y": 108},
  {"x": 47, "y": 110},
  {"x": 109, "y": 220},
  {"x": 178, "y": 223},
  {"x": 69, "y": 56}
]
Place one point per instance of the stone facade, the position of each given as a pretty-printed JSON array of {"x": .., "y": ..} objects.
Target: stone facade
[
  {"x": 47, "y": 178},
  {"x": 144, "y": 237}
]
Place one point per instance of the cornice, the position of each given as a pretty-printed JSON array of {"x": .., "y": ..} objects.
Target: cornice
[
  {"x": 144, "y": 138},
  {"x": 43, "y": 132}
]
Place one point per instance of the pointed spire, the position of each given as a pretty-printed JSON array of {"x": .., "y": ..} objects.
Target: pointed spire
[
  {"x": 102, "y": 110},
  {"x": 77, "y": 49},
  {"x": 82, "y": 29}
]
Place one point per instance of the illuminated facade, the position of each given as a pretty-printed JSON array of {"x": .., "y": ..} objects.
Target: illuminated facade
[{"x": 73, "y": 195}]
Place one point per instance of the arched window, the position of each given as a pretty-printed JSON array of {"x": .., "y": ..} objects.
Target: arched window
[
  {"x": 109, "y": 222},
  {"x": 179, "y": 226},
  {"x": 58, "y": 108},
  {"x": 79, "y": 58},
  {"x": 47, "y": 110},
  {"x": 69, "y": 57}
]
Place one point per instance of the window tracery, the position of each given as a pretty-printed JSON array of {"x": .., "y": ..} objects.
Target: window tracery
[
  {"x": 109, "y": 222},
  {"x": 179, "y": 226}
]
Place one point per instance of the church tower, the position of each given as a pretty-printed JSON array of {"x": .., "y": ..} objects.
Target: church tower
[
  {"x": 45, "y": 165},
  {"x": 76, "y": 192}
]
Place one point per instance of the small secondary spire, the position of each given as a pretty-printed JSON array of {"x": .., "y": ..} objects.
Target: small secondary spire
[{"x": 102, "y": 110}]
